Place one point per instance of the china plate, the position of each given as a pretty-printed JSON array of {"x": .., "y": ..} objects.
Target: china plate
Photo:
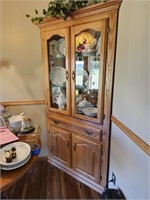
[
  {"x": 60, "y": 47},
  {"x": 22, "y": 150},
  {"x": 98, "y": 46},
  {"x": 82, "y": 76},
  {"x": 4, "y": 167},
  {"x": 58, "y": 76},
  {"x": 52, "y": 47}
]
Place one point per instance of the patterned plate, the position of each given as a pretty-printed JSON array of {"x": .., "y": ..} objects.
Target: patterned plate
[{"x": 58, "y": 76}]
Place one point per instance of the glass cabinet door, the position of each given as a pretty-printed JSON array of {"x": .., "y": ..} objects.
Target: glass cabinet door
[
  {"x": 88, "y": 71},
  {"x": 58, "y": 74}
]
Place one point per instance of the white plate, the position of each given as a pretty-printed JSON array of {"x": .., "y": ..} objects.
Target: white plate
[
  {"x": 98, "y": 46},
  {"x": 22, "y": 150},
  {"x": 4, "y": 167},
  {"x": 60, "y": 47},
  {"x": 52, "y": 47},
  {"x": 81, "y": 77},
  {"x": 58, "y": 76}
]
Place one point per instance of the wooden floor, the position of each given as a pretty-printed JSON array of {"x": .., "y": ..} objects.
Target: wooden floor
[{"x": 45, "y": 181}]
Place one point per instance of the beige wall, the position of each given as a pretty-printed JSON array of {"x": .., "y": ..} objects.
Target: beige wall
[
  {"x": 20, "y": 50},
  {"x": 21, "y": 72},
  {"x": 131, "y": 103},
  {"x": 21, "y": 78}
]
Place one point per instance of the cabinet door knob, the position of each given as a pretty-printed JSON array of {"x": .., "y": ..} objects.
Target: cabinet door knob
[
  {"x": 67, "y": 143},
  {"x": 89, "y": 132},
  {"x": 67, "y": 75},
  {"x": 73, "y": 75},
  {"x": 74, "y": 146}
]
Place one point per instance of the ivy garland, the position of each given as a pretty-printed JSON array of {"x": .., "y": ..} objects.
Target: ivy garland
[{"x": 60, "y": 9}]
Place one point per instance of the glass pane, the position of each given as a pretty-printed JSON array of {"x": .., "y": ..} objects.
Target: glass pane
[
  {"x": 57, "y": 72},
  {"x": 87, "y": 72}
]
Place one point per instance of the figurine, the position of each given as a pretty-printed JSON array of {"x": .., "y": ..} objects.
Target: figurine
[
  {"x": 25, "y": 122},
  {"x": 61, "y": 100}
]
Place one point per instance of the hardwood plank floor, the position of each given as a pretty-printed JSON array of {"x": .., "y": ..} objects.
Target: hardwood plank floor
[{"x": 45, "y": 181}]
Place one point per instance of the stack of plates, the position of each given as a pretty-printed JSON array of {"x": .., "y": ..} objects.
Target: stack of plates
[{"x": 23, "y": 154}]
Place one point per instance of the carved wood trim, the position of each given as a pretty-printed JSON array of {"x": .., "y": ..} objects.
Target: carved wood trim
[
  {"x": 133, "y": 136},
  {"x": 22, "y": 103},
  {"x": 105, "y": 7}
]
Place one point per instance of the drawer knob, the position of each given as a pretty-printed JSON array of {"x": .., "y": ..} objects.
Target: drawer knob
[
  {"x": 89, "y": 132},
  {"x": 56, "y": 122}
]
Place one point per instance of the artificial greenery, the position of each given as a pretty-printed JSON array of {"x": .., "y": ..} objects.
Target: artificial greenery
[{"x": 60, "y": 9}]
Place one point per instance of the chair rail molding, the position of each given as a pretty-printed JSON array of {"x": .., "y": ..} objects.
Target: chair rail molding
[
  {"x": 133, "y": 136},
  {"x": 22, "y": 103}
]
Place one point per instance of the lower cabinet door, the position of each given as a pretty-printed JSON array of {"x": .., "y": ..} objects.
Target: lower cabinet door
[
  {"x": 86, "y": 158},
  {"x": 61, "y": 145}
]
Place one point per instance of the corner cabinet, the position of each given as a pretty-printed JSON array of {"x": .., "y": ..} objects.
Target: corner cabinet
[{"x": 78, "y": 57}]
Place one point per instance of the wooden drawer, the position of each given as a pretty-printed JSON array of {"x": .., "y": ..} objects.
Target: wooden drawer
[{"x": 81, "y": 129}]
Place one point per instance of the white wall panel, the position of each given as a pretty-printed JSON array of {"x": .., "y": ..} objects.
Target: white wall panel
[{"x": 131, "y": 101}]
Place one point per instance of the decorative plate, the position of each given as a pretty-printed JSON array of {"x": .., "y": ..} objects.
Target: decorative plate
[
  {"x": 58, "y": 76},
  {"x": 60, "y": 47},
  {"x": 5, "y": 167},
  {"x": 98, "y": 46},
  {"x": 22, "y": 150},
  {"x": 52, "y": 47},
  {"x": 81, "y": 76}
]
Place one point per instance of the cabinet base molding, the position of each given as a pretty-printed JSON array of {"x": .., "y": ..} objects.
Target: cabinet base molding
[{"x": 98, "y": 188}]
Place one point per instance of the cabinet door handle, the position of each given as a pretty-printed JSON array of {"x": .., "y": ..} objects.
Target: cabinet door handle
[
  {"x": 74, "y": 146},
  {"x": 73, "y": 75},
  {"x": 89, "y": 132},
  {"x": 67, "y": 75},
  {"x": 56, "y": 122},
  {"x": 67, "y": 143}
]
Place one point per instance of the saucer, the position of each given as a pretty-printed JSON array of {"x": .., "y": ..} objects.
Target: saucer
[{"x": 28, "y": 130}]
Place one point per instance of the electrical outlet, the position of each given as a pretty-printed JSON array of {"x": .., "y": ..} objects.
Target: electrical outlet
[{"x": 113, "y": 178}]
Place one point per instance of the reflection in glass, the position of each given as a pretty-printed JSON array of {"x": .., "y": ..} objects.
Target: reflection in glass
[
  {"x": 57, "y": 72},
  {"x": 87, "y": 72}
]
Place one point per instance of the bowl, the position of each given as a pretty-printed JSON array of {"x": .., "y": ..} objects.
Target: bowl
[
  {"x": 84, "y": 103},
  {"x": 15, "y": 127},
  {"x": 90, "y": 111}
]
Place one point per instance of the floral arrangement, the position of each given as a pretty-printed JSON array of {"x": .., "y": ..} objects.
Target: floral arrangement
[
  {"x": 60, "y": 9},
  {"x": 85, "y": 43}
]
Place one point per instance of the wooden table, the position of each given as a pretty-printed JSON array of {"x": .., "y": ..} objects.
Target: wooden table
[{"x": 8, "y": 178}]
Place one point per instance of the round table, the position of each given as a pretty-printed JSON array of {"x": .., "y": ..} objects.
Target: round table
[{"x": 10, "y": 177}]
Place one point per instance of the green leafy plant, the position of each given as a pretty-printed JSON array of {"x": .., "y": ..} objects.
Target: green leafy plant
[{"x": 60, "y": 9}]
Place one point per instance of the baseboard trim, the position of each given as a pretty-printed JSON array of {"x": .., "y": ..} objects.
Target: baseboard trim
[
  {"x": 133, "y": 136},
  {"x": 42, "y": 158}
]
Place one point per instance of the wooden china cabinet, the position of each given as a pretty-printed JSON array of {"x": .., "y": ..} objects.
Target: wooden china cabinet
[{"x": 78, "y": 56}]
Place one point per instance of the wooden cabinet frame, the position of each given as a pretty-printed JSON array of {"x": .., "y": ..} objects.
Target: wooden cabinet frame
[
  {"x": 105, "y": 17},
  {"x": 102, "y": 27}
]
